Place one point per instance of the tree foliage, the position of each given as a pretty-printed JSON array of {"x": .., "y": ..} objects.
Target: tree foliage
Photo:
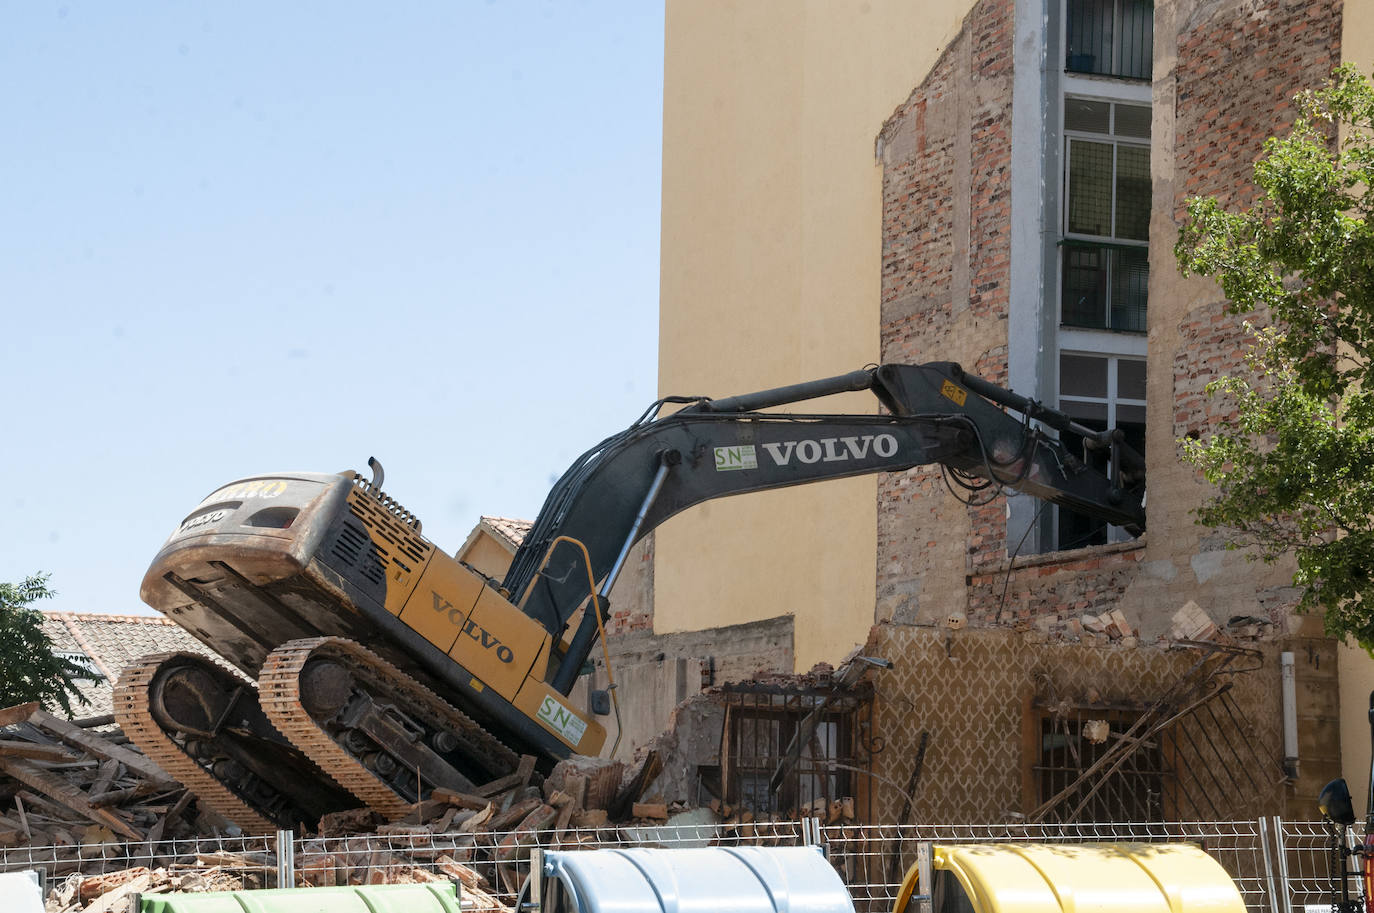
[
  {"x": 29, "y": 669},
  {"x": 1294, "y": 465}
]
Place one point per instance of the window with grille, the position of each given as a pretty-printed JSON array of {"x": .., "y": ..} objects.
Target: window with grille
[
  {"x": 1110, "y": 37},
  {"x": 1105, "y": 258},
  {"x": 787, "y": 751},
  {"x": 1101, "y": 392},
  {"x": 1071, "y": 742}
]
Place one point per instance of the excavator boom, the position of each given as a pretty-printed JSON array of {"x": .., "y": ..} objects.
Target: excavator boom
[{"x": 936, "y": 413}]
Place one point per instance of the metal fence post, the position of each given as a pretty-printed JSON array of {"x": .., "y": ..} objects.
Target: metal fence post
[
  {"x": 1270, "y": 886},
  {"x": 535, "y": 883},
  {"x": 925, "y": 878},
  {"x": 1281, "y": 849},
  {"x": 286, "y": 859}
]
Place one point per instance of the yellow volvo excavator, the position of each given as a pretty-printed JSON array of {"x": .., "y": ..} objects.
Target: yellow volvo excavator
[{"x": 366, "y": 666}]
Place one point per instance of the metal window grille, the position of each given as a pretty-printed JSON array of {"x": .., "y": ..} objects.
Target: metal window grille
[
  {"x": 1105, "y": 286},
  {"x": 1074, "y": 740},
  {"x": 791, "y": 752}
]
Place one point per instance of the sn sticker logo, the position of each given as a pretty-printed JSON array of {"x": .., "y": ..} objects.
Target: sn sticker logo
[{"x": 741, "y": 457}]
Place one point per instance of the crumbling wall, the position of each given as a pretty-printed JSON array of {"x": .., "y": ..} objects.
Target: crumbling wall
[
  {"x": 1225, "y": 71},
  {"x": 654, "y": 673},
  {"x": 969, "y": 690},
  {"x": 946, "y": 155}
]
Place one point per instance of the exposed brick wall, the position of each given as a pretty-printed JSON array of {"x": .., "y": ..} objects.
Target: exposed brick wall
[
  {"x": 1239, "y": 65},
  {"x": 990, "y": 25},
  {"x": 1051, "y": 593},
  {"x": 1211, "y": 345},
  {"x": 918, "y": 216},
  {"x": 632, "y": 599},
  {"x": 945, "y": 289},
  {"x": 1236, "y": 69},
  {"x": 946, "y": 255}
]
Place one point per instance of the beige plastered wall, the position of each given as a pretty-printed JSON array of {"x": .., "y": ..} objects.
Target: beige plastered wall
[
  {"x": 771, "y": 243},
  {"x": 1356, "y": 667}
]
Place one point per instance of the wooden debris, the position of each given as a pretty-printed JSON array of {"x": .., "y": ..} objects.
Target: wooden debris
[
  {"x": 519, "y": 778},
  {"x": 462, "y": 800},
  {"x": 15, "y": 749},
  {"x": 104, "y": 748},
  {"x": 91, "y": 888},
  {"x": 649, "y": 769},
  {"x": 114, "y": 900},
  {"x": 63, "y": 792},
  {"x": 655, "y": 810},
  {"x": 18, "y": 713},
  {"x": 349, "y": 821},
  {"x": 514, "y": 815}
]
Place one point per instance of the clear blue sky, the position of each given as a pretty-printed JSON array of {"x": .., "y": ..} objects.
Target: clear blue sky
[{"x": 239, "y": 238}]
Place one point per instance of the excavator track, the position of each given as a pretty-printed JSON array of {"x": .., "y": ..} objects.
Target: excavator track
[
  {"x": 134, "y": 715},
  {"x": 280, "y": 692}
]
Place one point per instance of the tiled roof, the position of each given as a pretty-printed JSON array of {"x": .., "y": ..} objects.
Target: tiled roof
[
  {"x": 513, "y": 531},
  {"x": 112, "y": 642}
]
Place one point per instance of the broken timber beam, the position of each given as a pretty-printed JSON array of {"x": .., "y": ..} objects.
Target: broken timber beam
[
  {"x": 103, "y": 748},
  {"x": 521, "y": 777},
  {"x": 13, "y": 748},
  {"x": 18, "y": 713},
  {"x": 65, "y": 794},
  {"x": 460, "y": 799}
]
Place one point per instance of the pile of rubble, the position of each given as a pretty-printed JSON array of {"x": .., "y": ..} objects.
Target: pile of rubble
[
  {"x": 113, "y": 892},
  {"x": 66, "y": 783},
  {"x": 112, "y": 824}
]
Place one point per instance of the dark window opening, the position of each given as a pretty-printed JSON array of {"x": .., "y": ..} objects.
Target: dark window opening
[
  {"x": 1099, "y": 392},
  {"x": 1110, "y": 38},
  {"x": 1105, "y": 287}
]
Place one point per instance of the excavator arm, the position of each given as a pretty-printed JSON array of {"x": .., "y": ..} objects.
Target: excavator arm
[{"x": 934, "y": 413}]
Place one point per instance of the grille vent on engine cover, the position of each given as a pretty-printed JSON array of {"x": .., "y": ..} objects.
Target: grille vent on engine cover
[
  {"x": 354, "y": 549},
  {"x": 393, "y": 542}
]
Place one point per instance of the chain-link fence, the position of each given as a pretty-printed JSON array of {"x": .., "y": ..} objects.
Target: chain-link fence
[
  {"x": 873, "y": 860},
  {"x": 1278, "y": 866}
]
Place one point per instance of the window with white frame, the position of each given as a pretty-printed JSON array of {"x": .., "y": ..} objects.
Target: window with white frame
[
  {"x": 1096, "y": 237},
  {"x": 1098, "y": 391},
  {"x": 1105, "y": 259}
]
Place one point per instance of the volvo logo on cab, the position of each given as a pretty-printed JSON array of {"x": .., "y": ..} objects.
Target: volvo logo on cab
[
  {"x": 488, "y": 641},
  {"x": 832, "y": 449}
]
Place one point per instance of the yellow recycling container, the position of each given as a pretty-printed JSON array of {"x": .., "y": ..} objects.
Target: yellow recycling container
[{"x": 1082, "y": 878}]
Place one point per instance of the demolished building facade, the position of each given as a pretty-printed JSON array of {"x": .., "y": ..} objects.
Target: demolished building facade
[{"x": 1031, "y": 182}]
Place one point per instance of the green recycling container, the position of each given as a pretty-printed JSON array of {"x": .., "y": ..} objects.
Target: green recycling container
[{"x": 376, "y": 898}]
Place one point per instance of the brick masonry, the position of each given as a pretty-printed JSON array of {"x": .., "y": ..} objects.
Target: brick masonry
[
  {"x": 1228, "y": 72},
  {"x": 1225, "y": 73},
  {"x": 946, "y": 156}
]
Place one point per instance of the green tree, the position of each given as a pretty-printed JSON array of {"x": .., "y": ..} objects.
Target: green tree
[
  {"x": 1294, "y": 466},
  {"x": 29, "y": 669}
]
